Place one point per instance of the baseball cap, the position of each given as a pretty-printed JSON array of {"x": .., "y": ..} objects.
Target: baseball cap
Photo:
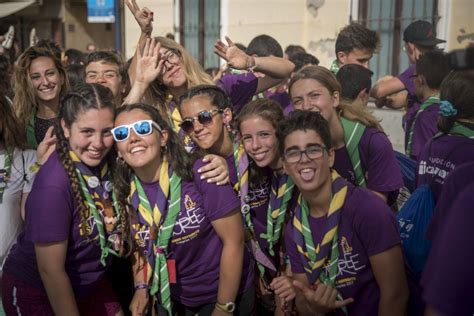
[{"x": 421, "y": 33}]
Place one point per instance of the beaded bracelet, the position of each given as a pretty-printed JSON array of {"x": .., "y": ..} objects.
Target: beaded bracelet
[{"x": 141, "y": 286}]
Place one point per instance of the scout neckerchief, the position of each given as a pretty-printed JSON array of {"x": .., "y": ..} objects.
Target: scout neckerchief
[
  {"x": 462, "y": 130},
  {"x": 242, "y": 167},
  {"x": 175, "y": 120},
  {"x": 430, "y": 101},
  {"x": 334, "y": 68},
  {"x": 97, "y": 192},
  {"x": 320, "y": 262},
  {"x": 353, "y": 132},
  {"x": 170, "y": 185},
  {"x": 5, "y": 171},
  {"x": 30, "y": 131}
]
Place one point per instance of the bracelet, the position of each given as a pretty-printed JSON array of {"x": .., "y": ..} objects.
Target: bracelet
[
  {"x": 251, "y": 64},
  {"x": 141, "y": 286},
  {"x": 34, "y": 168}
]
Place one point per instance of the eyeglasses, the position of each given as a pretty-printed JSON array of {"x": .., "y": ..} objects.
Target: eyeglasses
[
  {"x": 142, "y": 128},
  {"x": 312, "y": 152},
  {"x": 172, "y": 57},
  {"x": 204, "y": 118}
]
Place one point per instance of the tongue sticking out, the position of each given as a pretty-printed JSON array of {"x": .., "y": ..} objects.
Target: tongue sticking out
[{"x": 307, "y": 174}]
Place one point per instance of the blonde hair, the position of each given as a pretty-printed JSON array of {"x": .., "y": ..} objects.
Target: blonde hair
[
  {"x": 25, "y": 102},
  {"x": 329, "y": 81},
  {"x": 195, "y": 74}
]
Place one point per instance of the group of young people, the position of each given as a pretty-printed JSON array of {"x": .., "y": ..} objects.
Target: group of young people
[{"x": 220, "y": 203}]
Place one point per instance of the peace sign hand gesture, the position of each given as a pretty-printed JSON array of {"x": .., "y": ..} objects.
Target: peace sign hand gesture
[
  {"x": 143, "y": 16},
  {"x": 235, "y": 57}
]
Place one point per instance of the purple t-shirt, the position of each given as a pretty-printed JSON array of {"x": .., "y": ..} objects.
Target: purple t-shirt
[
  {"x": 425, "y": 128},
  {"x": 439, "y": 157},
  {"x": 52, "y": 216},
  {"x": 367, "y": 227},
  {"x": 413, "y": 103},
  {"x": 448, "y": 276},
  {"x": 378, "y": 163},
  {"x": 195, "y": 245},
  {"x": 240, "y": 88}
]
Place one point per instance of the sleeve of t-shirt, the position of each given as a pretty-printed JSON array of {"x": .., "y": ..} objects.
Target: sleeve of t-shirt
[
  {"x": 219, "y": 200},
  {"x": 374, "y": 222},
  {"x": 383, "y": 172},
  {"x": 48, "y": 213},
  {"x": 30, "y": 158},
  {"x": 292, "y": 252},
  {"x": 239, "y": 87},
  {"x": 404, "y": 77},
  {"x": 447, "y": 279}
]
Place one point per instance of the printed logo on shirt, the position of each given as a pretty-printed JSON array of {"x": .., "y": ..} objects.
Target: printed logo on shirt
[
  {"x": 349, "y": 265},
  {"x": 188, "y": 223},
  {"x": 436, "y": 167},
  {"x": 259, "y": 194},
  {"x": 90, "y": 222},
  {"x": 141, "y": 237}
]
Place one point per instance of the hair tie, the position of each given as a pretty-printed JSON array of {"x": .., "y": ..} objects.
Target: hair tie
[{"x": 447, "y": 109}]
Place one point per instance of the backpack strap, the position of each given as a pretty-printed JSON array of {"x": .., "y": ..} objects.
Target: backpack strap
[{"x": 353, "y": 132}]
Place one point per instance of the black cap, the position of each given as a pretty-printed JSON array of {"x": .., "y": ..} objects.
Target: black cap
[{"x": 421, "y": 33}]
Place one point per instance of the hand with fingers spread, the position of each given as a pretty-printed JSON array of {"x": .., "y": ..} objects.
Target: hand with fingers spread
[
  {"x": 234, "y": 56},
  {"x": 149, "y": 64},
  {"x": 46, "y": 147},
  {"x": 143, "y": 16},
  {"x": 216, "y": 170},
  {"x": 283, "y": 287},
  {"x": 323, "y": 299}
]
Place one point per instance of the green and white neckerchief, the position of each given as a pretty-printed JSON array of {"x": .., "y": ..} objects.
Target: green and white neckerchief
[
  {"x": 30, "y": 131},
  {"x": 97, "y": 192},
  {"x": 428, "y": 102},
  {"x": 170, "y": 185},
  {"x": 334, "y": 68},
  {"x": 462, "y": 130},
  {"x": 5, "y": 171},
  {"x": 321, "y": 262},
  {"x": 353, "y": 132}
]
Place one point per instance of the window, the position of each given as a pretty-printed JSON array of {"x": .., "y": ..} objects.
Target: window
[
  {"x": 390, "y": 18},
  {"x": 200, "y": 28}
]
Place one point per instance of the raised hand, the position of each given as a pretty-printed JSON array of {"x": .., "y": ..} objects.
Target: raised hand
[
  {"x": 323, "y": 299},
  {"x": 143, "y": 16},
  {"x": 46, "y": 147},
  {"x": 234, "y": 56},
  {"x": 149, "y": 64}
]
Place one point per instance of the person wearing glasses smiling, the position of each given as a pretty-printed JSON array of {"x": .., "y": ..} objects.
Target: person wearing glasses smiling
[
  {"x": 342, "y": 239},
  {"x": 187, "y": 233},
  {"x": 173, "y": 70}
]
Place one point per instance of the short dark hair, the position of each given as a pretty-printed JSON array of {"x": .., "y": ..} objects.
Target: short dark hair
[
  {"x": 300, "y": 120},
  {"x": 302, "y": 59},
  {"x": 353, "y": 79},
  {"x": 74, "y": 56},
  {"x": 217, "y": 96},
  {"x": 356, "y": 35},
  {"x": 107, "y": 57},
  {"x": 263, "y": 46},
  {"x": 292, "y": 50},
  {"x": 434, "y": 66},
  {"x": 75, "y": 74}
]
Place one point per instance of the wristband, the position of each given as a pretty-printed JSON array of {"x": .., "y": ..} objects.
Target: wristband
[
  {"x": 141, "y": 286},
  {"x": 34, "y": 168},
  {"x": 251, "y": 64}
]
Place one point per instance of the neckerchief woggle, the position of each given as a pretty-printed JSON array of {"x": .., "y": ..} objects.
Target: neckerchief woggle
[
  {"x": 5, "y": 172},
  {"x": 170, "y": 185},
  {"x": 99, "y": 192},
  {"x": 242, "y": 167},
  {"x": 321, "y": 262},
  {"x": 353, "y": 132},
  {"x": 430, "y": 101}
]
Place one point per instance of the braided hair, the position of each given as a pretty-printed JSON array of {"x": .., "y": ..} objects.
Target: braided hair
[{"x": 82, "y": 98}]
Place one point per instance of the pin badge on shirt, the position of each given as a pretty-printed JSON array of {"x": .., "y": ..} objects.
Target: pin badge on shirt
[
  {"x": 247, "y": 199},
  {"x": 108, "y": 186},
  {"x": 3, "y": 178},
  {"x": 93, "y": 182},
  {"x": 245, "y": 208}
]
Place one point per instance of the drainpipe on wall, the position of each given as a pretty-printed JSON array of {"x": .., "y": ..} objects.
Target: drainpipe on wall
[{"x": 118, "y": 26}]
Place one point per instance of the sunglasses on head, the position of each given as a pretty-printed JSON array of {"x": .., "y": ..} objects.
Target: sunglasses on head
[
  {"x": 141, "y": 128},
  {"x": 204, "y": 118}
]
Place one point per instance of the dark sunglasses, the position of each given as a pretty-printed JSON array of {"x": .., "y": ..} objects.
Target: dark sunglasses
[
  {"x": 141, "y": 128},
  {"x": 204, "y": 118}
]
